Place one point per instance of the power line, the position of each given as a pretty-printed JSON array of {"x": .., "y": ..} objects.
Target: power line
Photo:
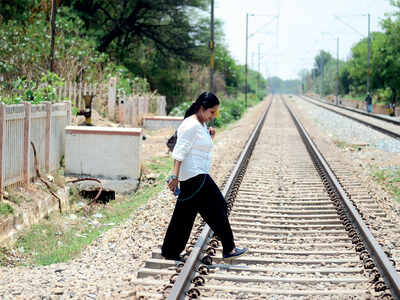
[{"x": 350, "y": 26}]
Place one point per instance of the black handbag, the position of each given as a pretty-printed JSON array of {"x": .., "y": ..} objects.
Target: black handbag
[{"x": 172, "y": 141}]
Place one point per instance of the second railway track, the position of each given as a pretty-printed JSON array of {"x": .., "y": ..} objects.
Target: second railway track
[
  {"x": 302, "y": 245},
  {"x": 384, "y": 125}
]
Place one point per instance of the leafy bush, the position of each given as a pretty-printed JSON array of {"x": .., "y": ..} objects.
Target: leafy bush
[
  {"x": 5, "y": 209},
  {"x": 23, "y": 90},
  {"x": 24, "y": 49},
  {"x": 230, "y": 110},
  {"x": 24, "y": 53},
  {"x": 383, "y": 95},
  {"x": 180, "y": 109}
]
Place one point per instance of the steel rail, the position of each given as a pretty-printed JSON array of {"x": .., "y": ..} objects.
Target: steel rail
[
  {"x": 186, "y": 275},
  {"x": 377, "y": 128},
  {"x": 381, "y": 260},
  {"x": 372, "y": 115}
]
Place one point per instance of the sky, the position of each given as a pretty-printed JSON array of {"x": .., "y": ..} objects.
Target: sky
[{"x": 288, "y": 34}]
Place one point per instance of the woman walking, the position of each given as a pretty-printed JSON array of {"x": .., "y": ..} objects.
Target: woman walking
[{"x": 198, "y": 192}]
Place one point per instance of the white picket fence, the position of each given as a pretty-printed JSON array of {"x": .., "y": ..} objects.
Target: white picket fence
[
  {"x": 118, "y": 107},
  {"x": 132, "y": 109},
  {"x": 43, "y": 124}
]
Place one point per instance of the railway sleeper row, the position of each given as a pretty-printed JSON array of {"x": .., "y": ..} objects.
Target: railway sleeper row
[{"x": 305, "y": 248}]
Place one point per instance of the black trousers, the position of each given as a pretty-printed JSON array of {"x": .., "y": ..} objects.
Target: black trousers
[{"x": 211, "y": 205}]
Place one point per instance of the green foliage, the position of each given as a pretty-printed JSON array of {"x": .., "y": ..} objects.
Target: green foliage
[
  {"x": 24, "y": 49},
  {"x": 180, "y": 109},
  {"x": 383, "y": 95},
  {"x": 230, "y": 110},
  {"x": 120, "y": 26},
  {"x": 17, "y": 9},
  {"x": 345, "y": 79},
  {"x": 384, "y": 72},
  {"x": 321, "y": 60},
  {"x": 5, "y": 209},
  {"x": 164, "y": 42},
  {"x": 389, "y": 178},
  {"x": 147, "y": 45},
  {"x": 24, "y": 90},
  {"x": 24, "y": 62},
  {"x": 127, "y": 82}
]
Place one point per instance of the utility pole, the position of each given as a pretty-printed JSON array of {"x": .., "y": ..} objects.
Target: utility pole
[
  {"x": 321, "y": 81},
  {"x": 246, "y": 67},
  {"x": 247, "y": 45},
  {"x": 258, "y": 73},
  {"x": 369, "y": 51},
  {"x": 53, "y": 33},
  {"x": 337, "y": 72},
  {"x": 211, "y": 46}
]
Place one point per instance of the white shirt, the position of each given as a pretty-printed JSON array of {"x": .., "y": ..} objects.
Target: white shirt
[{"x": 193, "y": 148}]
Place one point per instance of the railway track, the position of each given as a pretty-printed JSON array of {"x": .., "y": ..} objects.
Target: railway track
[
  {"x": 305, "y": 239},
  {"x": 378, "y": 123},
  {"x": 358, "y": 111}
]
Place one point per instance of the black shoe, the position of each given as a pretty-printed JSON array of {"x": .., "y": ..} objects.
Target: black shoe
[
  {"x": 179, "y": 258},
  {"x": 237, "y": 252}
]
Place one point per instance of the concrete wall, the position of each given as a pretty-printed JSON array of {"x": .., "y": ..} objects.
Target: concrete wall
[
  {"x": 158, "y": 122},
  {"x": 32, "y": 213},
  {"x": 104, "y": 152}
]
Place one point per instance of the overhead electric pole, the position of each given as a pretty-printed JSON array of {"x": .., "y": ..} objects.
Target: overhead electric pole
[
  {"x": 369, "y": 51},
  {"x": 247, "y": 45},
  {"x": 337, "y": 72},
  {"x": 246, "y": 67},
  {"x": 53, "y": 32},
  {"x": 258, "y": 74},
  {"x": 211, "y": 46}
]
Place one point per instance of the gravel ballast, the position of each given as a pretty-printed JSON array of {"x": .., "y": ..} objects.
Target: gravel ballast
[{"x": 106, "y": 267}]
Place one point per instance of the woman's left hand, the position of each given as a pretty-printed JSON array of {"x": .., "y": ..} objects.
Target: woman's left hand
[
  {"x": 211, "y": 130},
  {"x": 172, "y": 184}
]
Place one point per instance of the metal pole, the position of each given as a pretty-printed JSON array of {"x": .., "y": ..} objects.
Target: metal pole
[
  {"x": 322, "y": 81},
  {"x": 211, "y": 45},
  {"x": 369, "y": 51},
  {"x": 337, "y": 72},
  {"x": 245, "y": 67},
  {"x": 53, "y": 33},
  {"x": 258, "y": 74}
]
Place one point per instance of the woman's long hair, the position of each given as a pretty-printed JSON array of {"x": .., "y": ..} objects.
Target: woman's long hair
[{"x": 205, "y": 100}]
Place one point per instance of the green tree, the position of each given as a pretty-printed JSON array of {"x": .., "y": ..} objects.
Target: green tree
[
  {"x": 120, "y": 25},
  {"x": 345, "y": 79},
  {"x": 388, "y": 56},
  {"x": 321, "y": 60},
  {"x": 165, "y": 42},
  {"x": 16, "y": 9}
]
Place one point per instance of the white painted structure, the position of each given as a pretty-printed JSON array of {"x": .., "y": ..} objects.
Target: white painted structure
[
  {"x": 20, "y": 124},
  {"x": 104, "y": 152},
  {"x": 158, "y": 122}
]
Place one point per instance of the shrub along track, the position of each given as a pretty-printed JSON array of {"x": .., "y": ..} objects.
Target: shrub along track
[{"x": 304, "y": 241}]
